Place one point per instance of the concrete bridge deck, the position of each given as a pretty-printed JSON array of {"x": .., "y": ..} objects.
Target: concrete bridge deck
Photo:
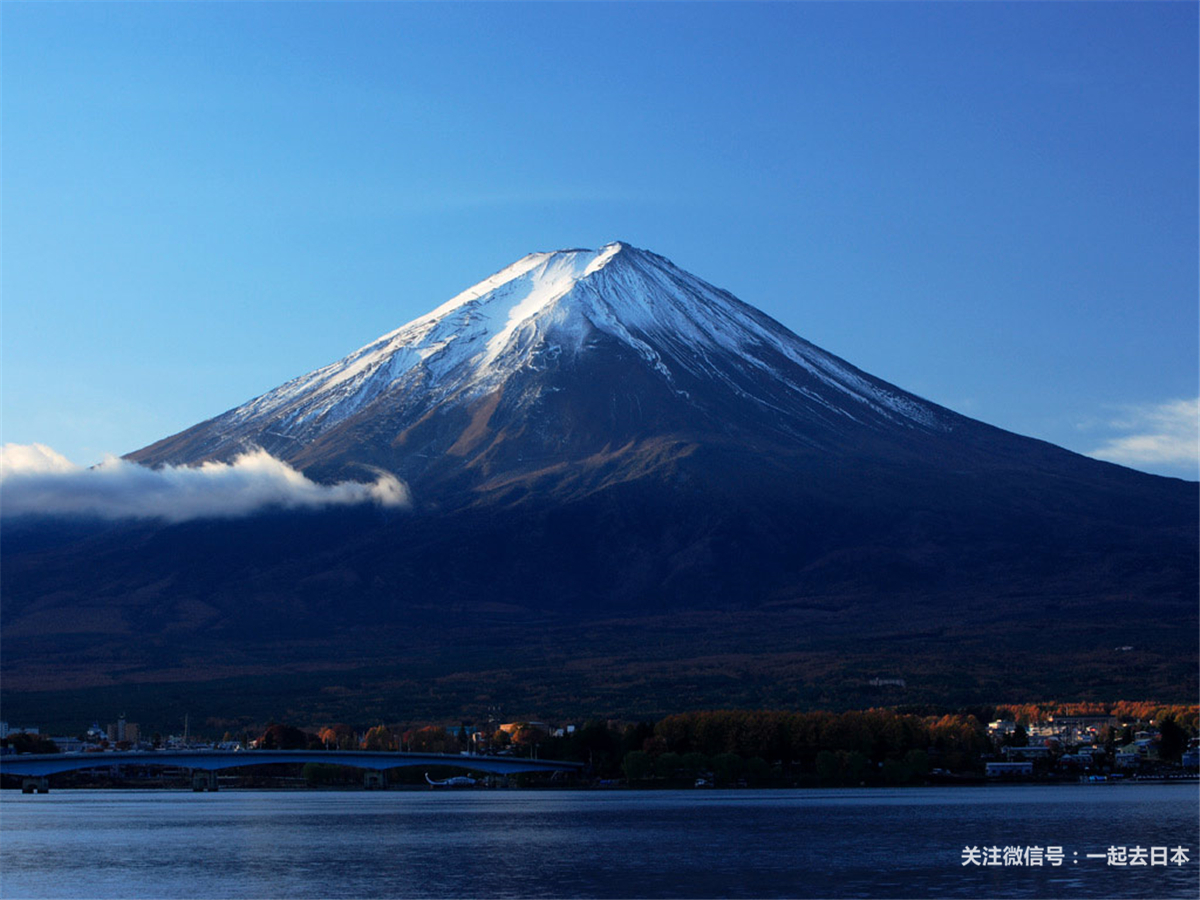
[{"x": 40, "y": 765}]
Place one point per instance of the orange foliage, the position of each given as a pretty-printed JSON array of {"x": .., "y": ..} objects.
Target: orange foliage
[
  {"x": 379, "y": 738},
  {"x": 1123, "y": 710},
  {"x": 339, "y": 737},
  {"x": 430, "y": 739}
]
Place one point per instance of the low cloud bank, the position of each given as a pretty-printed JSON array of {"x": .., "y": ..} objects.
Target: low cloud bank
[
  {"x": 1161, "y": 434},
  {"x": 34, "y": 479}
]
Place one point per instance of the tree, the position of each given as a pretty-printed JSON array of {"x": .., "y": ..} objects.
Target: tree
[
  {"x": 667, "y": 765},
  {"x": 828, "y": 767},
  {"x": 694, "y": 763},
  {"x": 1171, "y": 739},
  {"x": 379, "y": 738},
  {"x": 758, "y": 770},
  {"x": 527, "y": 736},
  {"x": 596, "y": 743},
  {"x": 435, "y": 739},
  {"x": 917, "y": 764},
  {"x": 21, "y": 742},
  {"x": 637, "y": 765},
  {"x": 856, "y": 766},
  {"x": 633, "y": 737},
  {"x": 283, "y": 737},
  {"x": 338, "y": 737},
  {"x": 728, "y": 767},
  {"x": 895, "y": 772},
  {"x": 655, "y": 746}
]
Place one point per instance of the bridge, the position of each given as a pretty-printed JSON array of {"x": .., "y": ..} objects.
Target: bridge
[{"x": 37, "y": 767}]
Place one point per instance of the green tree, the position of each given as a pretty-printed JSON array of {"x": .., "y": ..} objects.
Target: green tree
[
  {"x": 21, "y": 742},
  {"x": 1171, "y": 740},
  {"x": 637, "y": 765},
  {"x": 829, "y": 769},
  {"x": 597, "y": 744},
  {"x": 668, "y": 765},
  {"x": 856, "y": 766},
  {"x": 758, "y": 771},
  {"x": 916, "y": 761},
  {"x": 895, "y": 772},
  {"x": 728, "y": 767},
  {"x": 694, "y": 763}
]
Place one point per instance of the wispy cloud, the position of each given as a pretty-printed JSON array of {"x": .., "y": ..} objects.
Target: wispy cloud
[
  {"x": 34, "y": 479},
  {"x": 1155, "y": 435}
]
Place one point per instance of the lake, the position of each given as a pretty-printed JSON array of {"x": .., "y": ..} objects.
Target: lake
[{"x": 512, "y": 843}]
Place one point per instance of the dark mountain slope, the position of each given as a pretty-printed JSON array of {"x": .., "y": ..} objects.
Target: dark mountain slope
[{"x": 624, "y": 481}]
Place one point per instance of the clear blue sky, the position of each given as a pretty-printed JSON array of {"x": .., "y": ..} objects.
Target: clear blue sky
[{"x": 991, "y": 205}]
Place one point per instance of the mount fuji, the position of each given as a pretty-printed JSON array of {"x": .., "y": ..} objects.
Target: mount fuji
[
  {"x": 564, "y": 356},
  {"x": 636, "y": 485}
]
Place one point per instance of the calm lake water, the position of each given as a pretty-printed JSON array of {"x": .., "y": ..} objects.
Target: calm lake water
[{"x": 829, "y": 843}]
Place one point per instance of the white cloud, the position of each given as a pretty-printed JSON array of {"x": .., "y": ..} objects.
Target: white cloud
[
  {"x": 1158, "y": 434},
  {"x": 35, "y": 479}
]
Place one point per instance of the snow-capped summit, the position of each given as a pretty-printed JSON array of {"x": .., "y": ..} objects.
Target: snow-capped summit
[
  {"x": 547, "y": 304},
  {"x": 685, "y": 356}
]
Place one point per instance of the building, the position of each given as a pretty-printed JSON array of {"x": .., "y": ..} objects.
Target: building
[
  {"x": 1033, "y": 751},
  {"x": 1080, "y": 723},
  {"x": 1008, "y": 769},
  {"x": 122, "y": 731},
  {"x": 1081, "y": 760},
  {"x": 1127, "y": 759},
  {"x": 1191, "y": 756},
  {"x": 6, "y": 730}
]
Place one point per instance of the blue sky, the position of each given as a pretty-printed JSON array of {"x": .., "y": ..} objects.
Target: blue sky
[{"x": 991, "y": 205}]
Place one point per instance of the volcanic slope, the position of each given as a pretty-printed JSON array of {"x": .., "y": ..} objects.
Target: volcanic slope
[
  {"x": 594, "y": 437},
  {"x": 557, "y": 358}
]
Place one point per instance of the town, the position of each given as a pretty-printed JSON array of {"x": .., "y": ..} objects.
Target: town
[{"x": 878, "y": 747}]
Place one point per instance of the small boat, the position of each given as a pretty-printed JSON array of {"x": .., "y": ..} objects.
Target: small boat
[{"x": 456, "y": 781}]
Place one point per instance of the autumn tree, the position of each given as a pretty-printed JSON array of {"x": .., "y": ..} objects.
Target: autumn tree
[
  {"x": 430, "y": 739},
  {"x": 338, "y": 737},
  {"x": 379, "y": 738}
]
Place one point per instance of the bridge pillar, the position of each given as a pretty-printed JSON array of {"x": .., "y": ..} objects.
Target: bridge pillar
[
  {"x": 38, "y": 785},
  {"x": 375, "y": 780},
  {"x": 204, "y": 780}
]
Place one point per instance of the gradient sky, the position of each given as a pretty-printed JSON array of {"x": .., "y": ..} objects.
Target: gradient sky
[{"x": 991, "y": 205}]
